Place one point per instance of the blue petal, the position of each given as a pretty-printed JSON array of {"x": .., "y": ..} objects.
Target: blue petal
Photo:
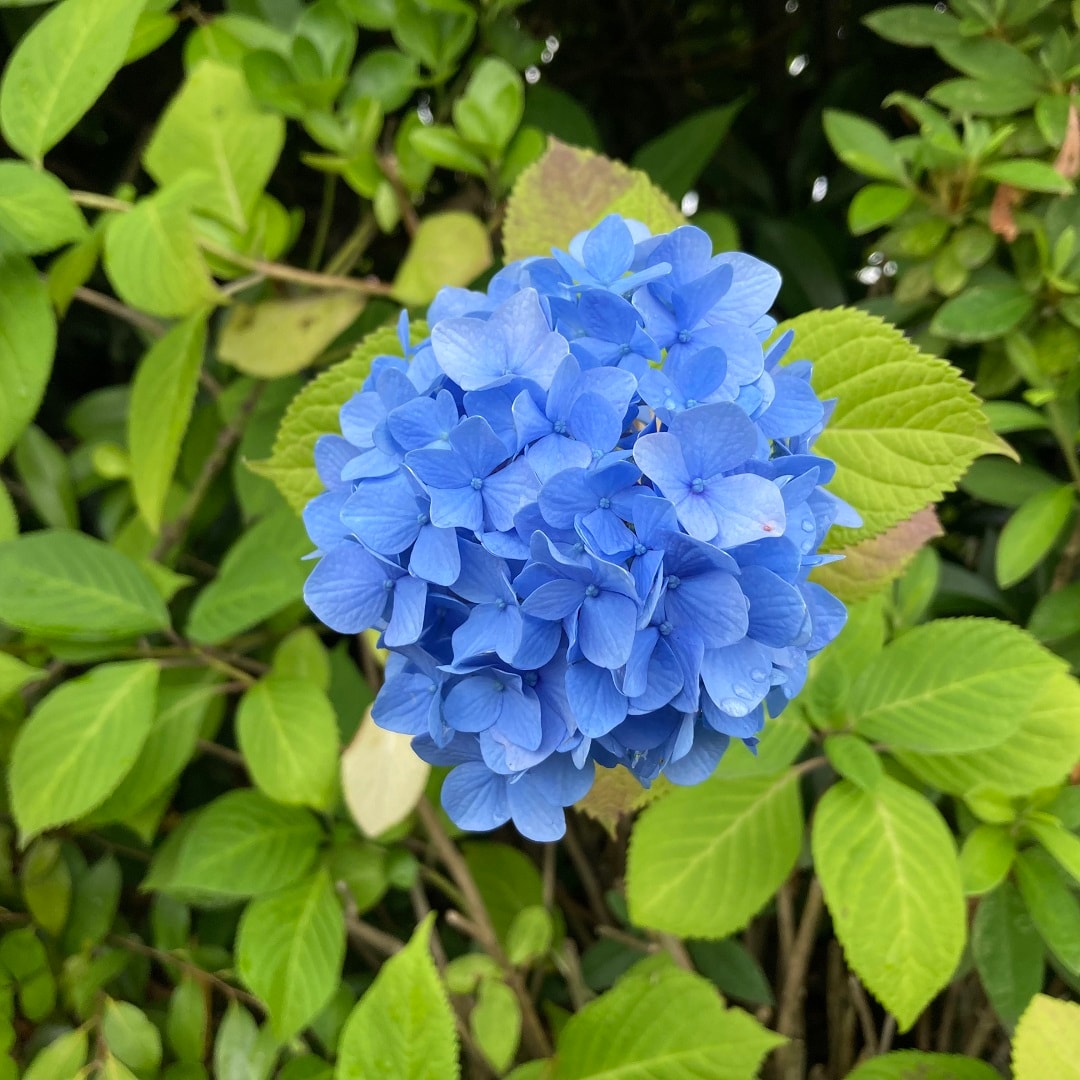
[
  {"x": 461, "y": 507},
  {"x": 475, "y": 798},
  {"x": 777, "y": 610},
  {"x": 700, "y": 763},
  {"x": 346, "y": 590},
  {"x": 597, "y": 705},
  {"x": 407, "y": 620},
  {"x": 440, "y": 468},
  {"x": 747, "y": 508},
  {"x": 606, "y": 629},
  {"x": 322, "y": 518},
  {"x": 404, "y": 703},
  {"x": 332, "y": 454},
  {"x": 534, "y": 816},
  {"x": 385, "y": 513},
  {"x": 555, "y": 600},
  {"x": 435, "y": 555},
  {"x": 714, "y": 438}
]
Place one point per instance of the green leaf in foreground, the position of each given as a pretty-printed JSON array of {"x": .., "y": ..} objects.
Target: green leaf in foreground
[
  {"x": 14, "y": 675},
  {"x": 1052, "y": 905},
  {"x": 683, "y": 847},
  {"x": 36, "y": 211},
  {"x": 951, "y": 686},
  {"x": 314, "y": 412},
  {"x": 402, "y": 1028},
  {"x": 26, "y": 346},
  {"x": 162, "y": 397},
  {"x": 213, "y": 126},
  {"x": 242, "y": 844},
  {"x": 60, "y": 68},
  {"x": 289, "y": 737},
  {"x": 1047, "y": 1041},
  {"x": 79, "y": 744},
  {"x": 68, "y": 585},
  {"x": 672, "y": 1024},
  {"x": 888, "y": 868},
  {"x": 863, "y": 146},
  {"x": 289, "y": 950},
  {"x": 1038, "y": 754},
  {"x": 570, "y": 189},
  {"x": 906, "y": 424}
]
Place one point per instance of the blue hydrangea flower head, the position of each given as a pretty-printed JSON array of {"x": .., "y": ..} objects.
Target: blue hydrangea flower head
[{"x": 582, "y": 515}]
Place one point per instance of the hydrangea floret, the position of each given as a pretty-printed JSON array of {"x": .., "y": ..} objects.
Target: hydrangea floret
[{"x": 582, "y": 514}]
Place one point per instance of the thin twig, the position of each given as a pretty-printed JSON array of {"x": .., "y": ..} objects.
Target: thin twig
[
  {"x": 593, "y": 892},
  {"x": 866, "y": 1017},
  {"x": 281, "y": 272},
  {"x": 379, "y": 940},
  {"x": 984, "y": 1027},
  {"x": 111, "y": 306},
  {"x": 888, "y": 1033},
  {"x": 674, "y": 947},
  {"x": 534, "y": 1037},
  {"x": 174, "y": 531},
  {"x": 222, "y": 753},
  {"x": 136, "y": 946},
  {"x": 389, "y": 167},
  {"x": 357, "y": 242},
  {"x": 791, "y": 1059}
]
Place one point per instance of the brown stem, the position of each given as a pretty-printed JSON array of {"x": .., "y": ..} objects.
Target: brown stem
[
  {"x": 866, "y": 1017},
  {"x": 534, "y": 1036},
  {"x": 589, "y": 883},
  {"x": 111, "y": 306},
  {"x": 388, "y": 164},
  {"x": 281, "y": 272},
  {"x": 222, "y": 753},
  {"x": 791, "y": 1059},
  {"x": 383, "y": 943}
]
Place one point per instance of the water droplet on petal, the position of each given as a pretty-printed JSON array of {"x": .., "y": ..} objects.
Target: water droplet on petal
[
  {"x": 758, "y": 674},
  {"x": 734, "y": 707},
  {"x": 744, "y": 692}
]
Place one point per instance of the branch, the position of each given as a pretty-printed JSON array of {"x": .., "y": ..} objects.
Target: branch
[
  {"x": 534, "y": 1036},
  {"x": 114, "y": 307},
  {"x": 790, "y": 1020}
]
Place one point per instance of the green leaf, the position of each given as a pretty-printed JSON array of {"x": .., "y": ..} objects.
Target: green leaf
[
  {"x": 131, "y": 1036},
  {"x": 1047, "y": 1041},
  {"x": 984, "y": 97},
  {"x": 676, "y": 159},
  {"x": 94, "y": 905},
  {"x": 60, "y": 68},
  {"x": 14, "y": 675},
  {"x": 436, "y": 32},
  {"x": 732, "y": 969},
  {"x": 985, "y": 858},
  {"x": 854, "y": 759},
  {"x": 68, "y": 585},
  {"x": 570, "y": 189},
  {"x": 301, "y": 655},
  {"x": 906, "y": 425},
  {"x": 261, "y": 574},
  {"x": 530, "y": 935},
  {"x": 888, "y": 868},
  {"x": 1006, "y": 483},
  {"x": 683, "y": 847},
  {"x": 279, "y": 337},
  {"x": 79, "y": 743},
  {"x": 876, "y": 205},
  {"x": 450, "y": 248},
  {"x": 1008, "y": 953},
  {"x": 1031, "y": 532},
  {"x": 314, "y": 412},
  {"x": 495, "y": 1022},
  {"x": 1037, "y": 755},
  {"x": 992, "y": 59},
  {"x": 63, "y": 1057},
  {"x": 1057, "y": 614},
  {"x": 36, "y": 211},
  {"x": 187, "y": 1020},
  {"x": 912, "y": 1064},
  {"x": 184, "y": 702},
  {"x": 289, "y": 950},
  {"x": 9, "y": 519},
  {"x": 923, "y": 690},
  {"x": 863, "y": 146},
  {"x": 561, "y": 115},
  {"x": 45, "y": 878},
  {"x": 386, "y": 76},
  {"x": 241, "y": 1051},
  {"x": 402, "y": 1028},
  {"x": 912, "y": 24},
  {"x": 442, "y": 145},
  {"x": 288, "y": 734},
  {"x": 242, "y": 844},
  {"x": 672, "y": 1025},
  {"x": 213, "y": 126},
  {"x": 1027, "y": 174},
  {"x": 42, "y": 467},
  {"x": 162, "y": 398},
  {"x": 151, "y": 256},
  {"x": 1063, "y": 845},
  {"x": 489, "y": 111},
  {"x": 1053, "y": 907},
  {"x": 507, "y": 879},
  {"x": 982, "y": 313},
  {"x": 26, "y": 346}
]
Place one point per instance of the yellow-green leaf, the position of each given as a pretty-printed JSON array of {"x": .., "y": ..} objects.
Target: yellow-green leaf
[{"x": 450, "y": 248}]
